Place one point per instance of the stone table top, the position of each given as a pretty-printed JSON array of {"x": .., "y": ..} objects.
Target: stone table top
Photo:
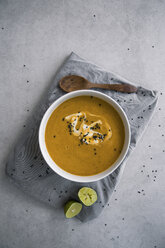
[{"x": 126, "y": 37}]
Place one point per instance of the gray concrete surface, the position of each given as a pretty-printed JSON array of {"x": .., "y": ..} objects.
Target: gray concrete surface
[{"x": 127, "y": 37}]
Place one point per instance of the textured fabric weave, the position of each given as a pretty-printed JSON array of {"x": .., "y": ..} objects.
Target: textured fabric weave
[{"x": 30, "y": 172}]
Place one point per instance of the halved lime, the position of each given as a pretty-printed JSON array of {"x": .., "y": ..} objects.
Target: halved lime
[
  {"x": 87, "y": 195},
  {"x": 72, "y": 208}
]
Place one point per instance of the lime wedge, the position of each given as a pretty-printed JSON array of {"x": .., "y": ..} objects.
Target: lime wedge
[
  {"x": 72, "y": 208},
  {"x": 87, "y": 195}
]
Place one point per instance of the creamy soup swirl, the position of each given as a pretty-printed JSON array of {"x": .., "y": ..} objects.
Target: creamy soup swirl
[{"x": 88, "y": 133}]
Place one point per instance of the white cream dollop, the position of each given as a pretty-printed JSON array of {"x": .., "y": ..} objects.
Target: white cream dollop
[{"x": 87, "y": 133}]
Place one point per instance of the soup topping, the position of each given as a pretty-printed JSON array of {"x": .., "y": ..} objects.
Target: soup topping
[{"x": 88, "y": 133}]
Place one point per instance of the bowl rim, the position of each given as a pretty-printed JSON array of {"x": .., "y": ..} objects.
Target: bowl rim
[{"x": 50, "y": 161}]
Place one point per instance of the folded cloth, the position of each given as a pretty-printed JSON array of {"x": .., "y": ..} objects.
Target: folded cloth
[{"x": 30, "y": 172}]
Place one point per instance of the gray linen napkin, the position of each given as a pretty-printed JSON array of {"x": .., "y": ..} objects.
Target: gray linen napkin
[{"x": 30, "y": 172}]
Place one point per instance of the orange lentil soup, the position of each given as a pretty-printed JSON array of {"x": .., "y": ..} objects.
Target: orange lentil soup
[{"x": 84, "y": 135}]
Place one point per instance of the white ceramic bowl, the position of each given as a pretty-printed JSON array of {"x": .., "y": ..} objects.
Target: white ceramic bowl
[{"x": 46, "y": 155}]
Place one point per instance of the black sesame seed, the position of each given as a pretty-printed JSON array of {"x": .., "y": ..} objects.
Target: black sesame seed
[
  {"x": 63, "y": 119},
  {"x": 66, "y": 191},
  {"x": 105, "y": 224},
  {"x": 72, "y": 230},
  {"x": 95, "y": 153},
  {"x": 100, "y": 104},
  {"x": 94, "y": 149},
  {"x": 49, "y": 200},
  {"x": 39, "y": 175},
  {"x": 139, "y": 192},
  {"x": 54, "y": 136},
  {"x": 91, "y": 96},
  {"x": 27, "y": 81},
  {"x": 94, "y": 15}
]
